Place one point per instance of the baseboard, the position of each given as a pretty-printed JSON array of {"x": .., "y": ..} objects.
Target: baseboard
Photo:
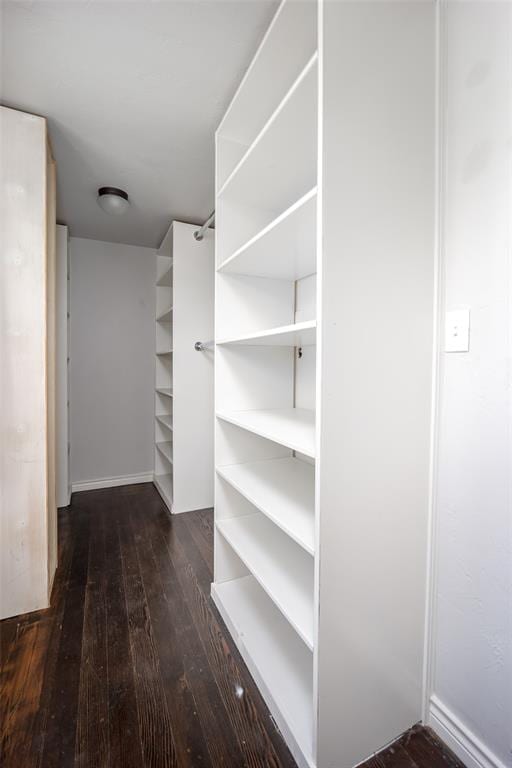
[
  {"x": 112, "y": 482},
  {"x": 457, "y": 736}
]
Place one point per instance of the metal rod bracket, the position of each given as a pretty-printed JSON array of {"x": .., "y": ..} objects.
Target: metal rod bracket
[
  {"x": 199, "y": 233},
  {"x": 200, "y": 346}
]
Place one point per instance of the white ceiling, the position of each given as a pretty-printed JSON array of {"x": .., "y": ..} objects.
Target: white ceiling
[{"x": 133, "y": 92}]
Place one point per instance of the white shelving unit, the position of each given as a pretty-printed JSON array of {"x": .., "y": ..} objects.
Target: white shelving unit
[
  {"x": 183, "y": 468},
  {"x": 163, "y": 477},
  {"x": 283, "y": 570},
  {"x": 278, "y": 660},
  {"x": 294, "y": 335},
  {"x": 165, "y": 419},
  {"x": 292, "y": 234},
  {"x": 165, "y": 316},
  {"x": 324, "y": 287},
  {"x": 292, "y": 427},
  {"x": 165, "y": 448},
  {"x": 283, "y": 490},
  {"x": 165, "y": 391}
]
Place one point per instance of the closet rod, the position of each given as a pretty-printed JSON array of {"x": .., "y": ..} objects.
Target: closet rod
[{"x": 199, "y": 233}]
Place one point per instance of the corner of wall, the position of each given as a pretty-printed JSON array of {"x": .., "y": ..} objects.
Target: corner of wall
[{"x": 459, "y": 738}]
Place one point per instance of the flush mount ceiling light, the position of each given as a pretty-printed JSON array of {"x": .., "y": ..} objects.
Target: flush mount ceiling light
[{"x": 113, "y": 200}]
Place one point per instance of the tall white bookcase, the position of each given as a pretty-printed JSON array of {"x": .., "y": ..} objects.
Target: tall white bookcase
[
  {"x": 325, "y": 181},
  {"x": 183, "y": 472}
]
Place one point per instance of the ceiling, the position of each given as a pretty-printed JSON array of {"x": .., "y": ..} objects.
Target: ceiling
[{"x": 133, "y": 92}]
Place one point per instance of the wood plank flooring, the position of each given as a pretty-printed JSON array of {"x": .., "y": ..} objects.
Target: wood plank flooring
[{"x": 131, "y": 666}]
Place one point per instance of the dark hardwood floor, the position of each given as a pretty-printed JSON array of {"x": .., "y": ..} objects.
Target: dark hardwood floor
[{"x": 131, "y": 664}]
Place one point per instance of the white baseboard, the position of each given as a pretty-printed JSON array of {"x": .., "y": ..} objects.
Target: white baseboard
[
  {"x": 457, "y": 736},
  {"x": 112, "y": 482},
  {"x": 66, "y": 501}
]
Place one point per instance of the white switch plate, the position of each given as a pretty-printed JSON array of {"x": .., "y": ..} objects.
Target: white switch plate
[{"x": 457, "y": 331}]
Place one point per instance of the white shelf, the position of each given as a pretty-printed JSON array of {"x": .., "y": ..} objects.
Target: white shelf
[
  {"x": 277, "y": 659},
  {"x": 280, "y": 164},
  {"x": 165, "y": 419},
  {"x": 166, "y": 391},
  {"x": 165, "y": 317},
  {"x": 162, "y": 352},
  {"x": 293, "y": 29},
  {"x": 283, "y": 489},
  {"x": 285, "y": 249},
  {"x": 165, "y": 449},
  {"x": 282, "y": 568},
  {"x": 296, "y": 335},
  {"x": 292, "y": 427},
  {"x": 163, "y": 484},
  {"x": 165, "y": 280}
]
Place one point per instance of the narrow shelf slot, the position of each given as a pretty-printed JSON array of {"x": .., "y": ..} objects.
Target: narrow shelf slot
[
  {"x": 281, "y": 568},
  {"x": 295, "y": 335},
  {"x": 165, "y": 280},
  {"x": 283, "y": 490},
  {"x": 165, "y": 419},
  {"x": 292, "y": 427},
  {"x": 274, "y": 654},
  {"x": 165, "y": 449},
  {"x": 166, "y": 391},
  {"x": 283, "y": 250},
  {"x": 281, "y": 151},
  {"x": 162, "y": 352},
  {"x": 165, "y": 317},
  {"x": 294, "y": 29},
  {"x": 163, "y": 484}
]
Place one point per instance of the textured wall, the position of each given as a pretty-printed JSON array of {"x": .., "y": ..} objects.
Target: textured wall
[{"x": 473, "y": 657}]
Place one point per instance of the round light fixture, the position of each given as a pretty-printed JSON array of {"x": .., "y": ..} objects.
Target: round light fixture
[{"x": 113, "y": 200}]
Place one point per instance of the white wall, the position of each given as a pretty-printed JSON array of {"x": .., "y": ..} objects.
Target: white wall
[
  {"x": 63, "y": 486},
  {"x": 112, "y": 351},
  {"x": 472, "y": 656}
]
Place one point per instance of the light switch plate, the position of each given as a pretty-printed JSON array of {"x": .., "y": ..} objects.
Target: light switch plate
[{"x": 457, "y": 331}]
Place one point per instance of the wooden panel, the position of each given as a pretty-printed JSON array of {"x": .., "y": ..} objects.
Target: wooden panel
[
  {"x": 51, "y": 362},
  {"x": 23, "y": 481}
]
